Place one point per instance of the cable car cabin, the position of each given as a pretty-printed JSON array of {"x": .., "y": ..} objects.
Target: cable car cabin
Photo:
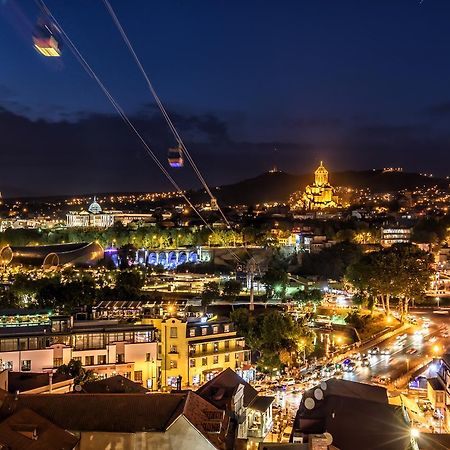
[
  {"x": 175, "y": 157},
  {"x": 45, "y": 42}
]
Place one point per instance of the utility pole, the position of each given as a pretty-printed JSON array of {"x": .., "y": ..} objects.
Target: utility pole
[{"x": 250, "y": 276}]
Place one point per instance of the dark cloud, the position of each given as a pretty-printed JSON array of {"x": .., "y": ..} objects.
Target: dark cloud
[
  {"x": 438, "y": 110},
  {"x": 97, "y": 153}
]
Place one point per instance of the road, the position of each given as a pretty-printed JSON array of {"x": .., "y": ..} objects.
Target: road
[{"x": 408, "y": 353}]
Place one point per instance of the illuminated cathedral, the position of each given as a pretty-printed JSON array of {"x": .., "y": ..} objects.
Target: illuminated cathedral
[{"x": 319, "y": 195}]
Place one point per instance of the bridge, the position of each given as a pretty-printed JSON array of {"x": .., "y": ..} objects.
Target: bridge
[{"x": 171, "y": 258}]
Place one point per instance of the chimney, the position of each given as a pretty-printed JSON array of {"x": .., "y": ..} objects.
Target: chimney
[
  {"x": 50, "y": 382},
  {"x": 27, "y": 430}
]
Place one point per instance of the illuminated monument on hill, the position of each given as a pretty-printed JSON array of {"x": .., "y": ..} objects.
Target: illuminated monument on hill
[{"x": 319, "y": 195}]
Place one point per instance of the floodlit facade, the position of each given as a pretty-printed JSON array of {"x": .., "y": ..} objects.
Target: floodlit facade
[
  {"x": 106, "y": 347},
  {"x": 95, "y": 217},
  {"x": 317, "y": 196},
  {"x": 395, "y": 235},
  {"x": 198, "y": 349},
  {"x": 320, "y": 194}
]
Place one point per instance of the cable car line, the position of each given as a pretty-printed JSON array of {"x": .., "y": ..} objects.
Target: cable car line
[
  {"x": 181, "y": 145},
  {"x": 122, "y": 113}
]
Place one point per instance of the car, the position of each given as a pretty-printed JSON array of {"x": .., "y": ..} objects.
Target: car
[
  {"x": 386, "y": 351},
  {"x": 374, "y": 351},
  {"x": 365, "y": 362},
  {"x": 350, "y": 367},
  {"x": 285, "y": 437},
  {"x": 289, "y": 381},
  {"x": 381, "y": 380},
  {"x": 411, "y": 351}
]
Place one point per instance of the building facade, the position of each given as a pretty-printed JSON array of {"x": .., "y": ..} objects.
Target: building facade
[
  {"x": 96, "y": 217},
  {"x": 395, "y": 235},
  {"x": 320, "y": 194},
  {"x": 197, "y": 349},
  {"x": 105, "y": 347}
]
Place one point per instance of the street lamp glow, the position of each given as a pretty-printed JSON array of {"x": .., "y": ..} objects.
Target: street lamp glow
[{"x": 415, "y": 433}]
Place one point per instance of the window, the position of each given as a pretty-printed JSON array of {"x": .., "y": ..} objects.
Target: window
[
  {"x": 204, "y": 331},
  {"x": 138, "y": 376},
  {"x": 101, "y": 359},
  {"x": 236, "y": 356},
  {"x": 215, "y": 329},
  {"x": 26, "y": 365},
  {"x": 127, "y": 375},
  {"x": 204, "y": 361},
  {"x": 216, "y": 347},
  {"x": 192, "y": 332},
  {"x": 173, "y": 364},
  {"x": 57, "y": 362},
  {"x": 227, "y": 357},
  {"x": 226, "y": 328},
  {"x": 204, "y": 348},
  {"x": 192, "y": 363},
  {"x": 173, "y": 332},
  {"x": 227, "y": 345},
  {"x": 148, "y": 357},
  {"x": 7, "y": 365},
  {"x": 120, "y": 358},
  {"x": 173, "y": 349},
  {"x": 88, "y": 360},
  {"x": 215, "y": 359}
]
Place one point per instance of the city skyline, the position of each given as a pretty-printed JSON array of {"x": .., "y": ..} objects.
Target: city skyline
[{"x": 281, "y": 86}]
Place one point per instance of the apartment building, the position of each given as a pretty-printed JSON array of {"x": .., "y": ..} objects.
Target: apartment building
[
  {"x": 197, "y": 349},
  {"x": 106, "y": 347}
]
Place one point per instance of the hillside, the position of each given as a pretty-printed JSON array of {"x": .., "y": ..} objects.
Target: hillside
[{"x": 278, "y": 186}]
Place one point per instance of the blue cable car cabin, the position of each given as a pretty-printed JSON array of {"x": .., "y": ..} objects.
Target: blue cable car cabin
[{"x": 175, "y": 157}]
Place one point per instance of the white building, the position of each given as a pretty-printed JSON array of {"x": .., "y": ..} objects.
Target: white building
[
  {"x": 106, "y": 347},
  {"x": 95, "y": 217}
]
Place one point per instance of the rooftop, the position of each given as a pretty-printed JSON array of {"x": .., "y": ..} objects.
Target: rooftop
[{"x": 17, "y": 431}]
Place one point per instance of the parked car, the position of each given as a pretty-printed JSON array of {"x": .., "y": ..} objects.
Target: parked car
[{"x": 286, "y": 434}]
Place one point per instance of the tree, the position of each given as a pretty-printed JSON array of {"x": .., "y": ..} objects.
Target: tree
[
  {"x": 275, "y": 279},
  {"x": 129, "y": 284},
  {"x": 272, "y": 335},
  {"x": 231, "y": 288},
  {"x": 210, "y": 292},
  {"x": 75, "y": 370}
]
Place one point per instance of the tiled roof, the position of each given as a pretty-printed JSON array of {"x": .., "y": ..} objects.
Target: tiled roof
[
  {"x": 100, "y": 412},
  {"x": 114, "y": 385},
  {"x": 228, "y": 380},
  {"x": 49, "y": 436}
]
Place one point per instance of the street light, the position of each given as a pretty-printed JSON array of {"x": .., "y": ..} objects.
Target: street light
[{"x": 438, "y": 299}]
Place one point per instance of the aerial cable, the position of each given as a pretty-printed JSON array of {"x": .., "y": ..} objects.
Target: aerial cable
[
  {"x": 163, "y": 109},
  {"x": 122, "y": 114}
]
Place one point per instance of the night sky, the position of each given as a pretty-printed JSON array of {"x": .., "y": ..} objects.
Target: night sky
[{"x": 359, "y": 84}]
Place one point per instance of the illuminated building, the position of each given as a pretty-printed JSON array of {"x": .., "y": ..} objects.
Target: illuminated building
[
  {"x": 96, "y": 217},
  {"x": 395, "y": 235},
  {"x": 320, "y": 194},
  {"x": 105, "y": 347},
  {"x": 317, "y": 196},
  {"x": 197, "y": 349}
]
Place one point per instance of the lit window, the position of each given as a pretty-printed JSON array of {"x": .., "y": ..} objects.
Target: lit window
[
  {"x": 173, "y": 364},
  {"x": 173, "y": 332},
  {"x": 215, "y": 359},
  {"x": 192, "y": 332},
  {"x": 215, "y": 329},
  {"x": 26, "y": 365},
  {"x": 204, "y": 361},
  {"x": 138, "y": 376},
  {"x": 192, "y": 363},
  {"x": 226, "y": 328},
  {"x": 204, "y": 331}
]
